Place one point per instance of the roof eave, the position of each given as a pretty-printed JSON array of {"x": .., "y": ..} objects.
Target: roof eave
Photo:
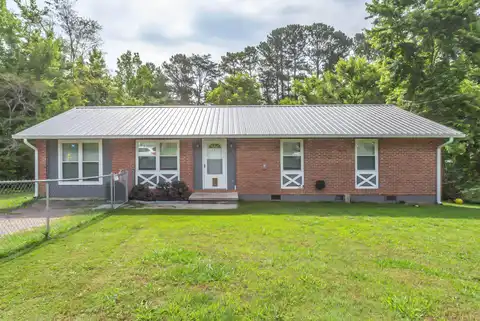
[{"x": 16, "y": 136}]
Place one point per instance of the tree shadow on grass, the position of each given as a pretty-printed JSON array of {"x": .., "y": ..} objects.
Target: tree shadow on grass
[
  {"x": 321, "y": 209},
  {"x": 27, "y": 248}
]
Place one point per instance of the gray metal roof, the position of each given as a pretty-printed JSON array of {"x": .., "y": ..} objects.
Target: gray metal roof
[{"x": 237, "y": 121}]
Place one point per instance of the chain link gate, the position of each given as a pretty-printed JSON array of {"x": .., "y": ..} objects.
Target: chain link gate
[
  {"x": 26, "y": 219},
  {"x": 120, "y": 191}
]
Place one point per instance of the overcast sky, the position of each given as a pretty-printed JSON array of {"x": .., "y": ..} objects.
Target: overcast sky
[{"x": 158, "y": 29}]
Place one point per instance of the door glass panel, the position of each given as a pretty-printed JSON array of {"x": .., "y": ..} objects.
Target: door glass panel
[
  {"x": 214, "y": 151},
  {"x": 214, "y": 166}
]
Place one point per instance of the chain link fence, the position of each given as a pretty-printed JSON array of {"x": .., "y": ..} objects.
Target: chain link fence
[{"x": 27, "y": 219}]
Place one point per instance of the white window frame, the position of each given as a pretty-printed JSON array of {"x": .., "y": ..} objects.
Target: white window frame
[
  {"x": 300, "y": 172},
  {"x": 80, "y": 162},
  {"x": 157, "y": 173},
  {"x": 363, "y": 172}
]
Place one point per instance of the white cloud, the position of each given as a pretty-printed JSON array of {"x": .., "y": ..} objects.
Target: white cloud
[{"x": 190, "y": 26}]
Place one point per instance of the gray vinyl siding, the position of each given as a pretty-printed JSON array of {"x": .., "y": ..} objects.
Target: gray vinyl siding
[
  {"x": 78, "y": 191},
  {"x": 231, "y": 164},
  {"x": 197, "y": 165}
]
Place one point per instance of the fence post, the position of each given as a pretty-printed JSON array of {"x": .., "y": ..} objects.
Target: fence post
[
  {"x": 47, "y": 208},
  {"x": 111, "y": 189},
  {"x": 126, "y": 186},
  {"x": 115, "y": 176},
  {"x": 47, "y": 196}
]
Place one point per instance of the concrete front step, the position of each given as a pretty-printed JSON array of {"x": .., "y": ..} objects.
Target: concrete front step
[{"x": 214, "y": 198}]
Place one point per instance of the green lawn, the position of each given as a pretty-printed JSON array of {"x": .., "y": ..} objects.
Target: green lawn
[
  {"x": 271, "y": 261},
  {"x": 15, "y": 200}
]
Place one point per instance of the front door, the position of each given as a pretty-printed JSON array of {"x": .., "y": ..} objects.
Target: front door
[{"x": 215, "y": 164}]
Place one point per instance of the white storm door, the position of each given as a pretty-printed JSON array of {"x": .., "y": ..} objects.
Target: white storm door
[{"x": 215, "y": 164}]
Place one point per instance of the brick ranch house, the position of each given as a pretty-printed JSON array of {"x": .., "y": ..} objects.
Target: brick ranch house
[{"x": 374, "y": 153}]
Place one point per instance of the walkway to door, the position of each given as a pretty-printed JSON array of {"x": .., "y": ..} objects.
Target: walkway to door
[{"x": 214, "y": 198}]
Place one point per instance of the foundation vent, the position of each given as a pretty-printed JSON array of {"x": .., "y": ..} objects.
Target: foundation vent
[{"x": 275, "y": 197}]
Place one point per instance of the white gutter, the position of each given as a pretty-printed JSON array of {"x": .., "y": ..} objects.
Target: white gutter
[
  {"x": 36, "y": 164},
  {"x": 219, "y": 136},
  {"x": 439, "y": 170}
]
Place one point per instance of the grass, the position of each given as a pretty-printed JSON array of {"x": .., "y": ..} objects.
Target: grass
[
  {"x": 271, "y": 261},
  {"x": 18, "y": 242},
  {"x": 474, "y": 206},
  {"x": 11, "y": 201}
]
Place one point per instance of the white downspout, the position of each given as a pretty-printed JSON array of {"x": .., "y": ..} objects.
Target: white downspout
[
  {"x": 439, "y": 170},
  {"x": 36, "y": 163}
]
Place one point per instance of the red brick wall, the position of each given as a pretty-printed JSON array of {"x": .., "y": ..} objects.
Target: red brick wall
[
  {"x": 186, "y": 161},
  {"x": 252, "y": 176},
  {"x": 122, "y": 154},
  {"x": 406, "y": 166},
  {"x": 331, "y": 160},
  {"x": 42, "y": 164}
]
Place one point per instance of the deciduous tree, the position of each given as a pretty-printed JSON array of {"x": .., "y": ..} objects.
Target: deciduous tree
[{"x": 239, "y": 89}]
